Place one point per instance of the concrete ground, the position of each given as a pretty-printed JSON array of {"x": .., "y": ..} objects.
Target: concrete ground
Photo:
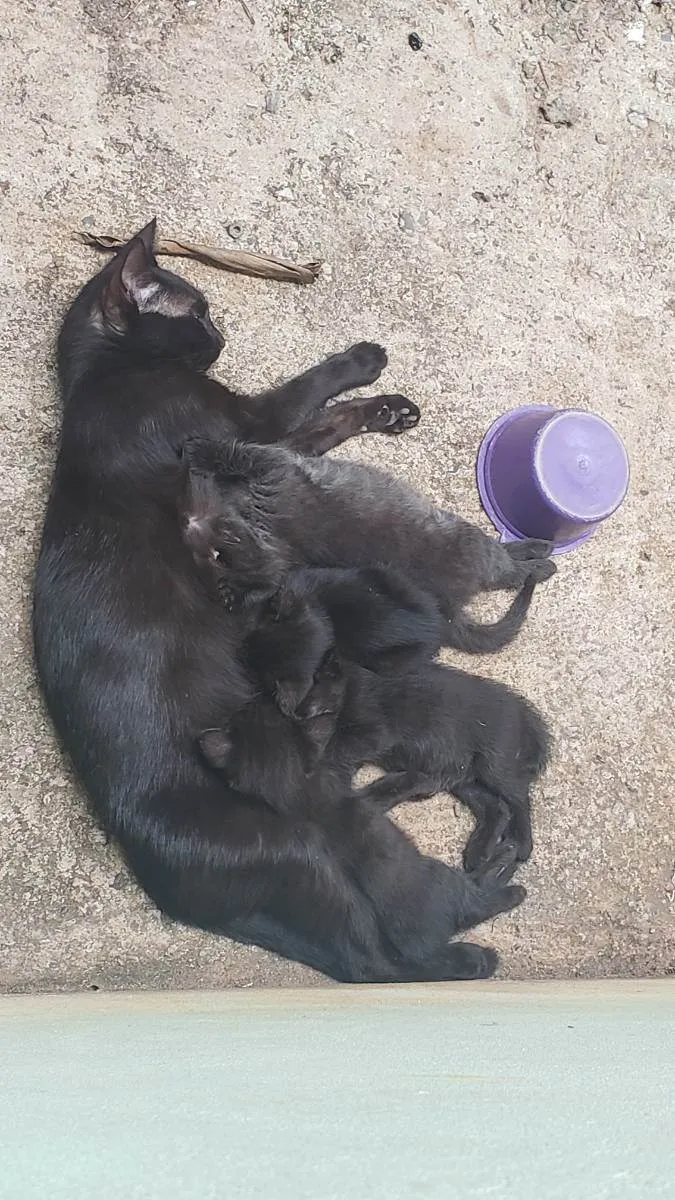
[{"x": 496, "y": 209}]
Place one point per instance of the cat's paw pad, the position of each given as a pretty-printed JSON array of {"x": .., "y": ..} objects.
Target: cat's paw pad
[
  {"x": 395, "y": 415},
  {"x": 216, "y": 746}
]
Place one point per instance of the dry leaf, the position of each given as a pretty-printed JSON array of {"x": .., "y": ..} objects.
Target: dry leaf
[{"x": 242, "y": 262}]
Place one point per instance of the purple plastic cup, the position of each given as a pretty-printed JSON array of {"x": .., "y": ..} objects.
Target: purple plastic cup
[{"x": 551, "y": 473}]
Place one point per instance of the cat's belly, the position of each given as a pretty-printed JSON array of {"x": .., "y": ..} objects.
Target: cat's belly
[{"x": 128, "y": 685}]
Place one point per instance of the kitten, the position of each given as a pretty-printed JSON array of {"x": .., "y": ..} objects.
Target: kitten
[
  {"x": 371, "y": 615},
  {"x": 299, "y": 649},
  {"x": 335, "y": 513}
]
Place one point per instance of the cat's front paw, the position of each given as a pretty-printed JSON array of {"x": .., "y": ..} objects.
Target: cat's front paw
[
  {"x": 395, "y": 415},
  {"x": 284, "y": 604},
  {"x": 326, "y": 695},
  {"x": 369, "y": 361}
]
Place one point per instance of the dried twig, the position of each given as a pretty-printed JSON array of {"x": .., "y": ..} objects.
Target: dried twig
[
  {"x": 241, "y": 262},
  {"x": 248, "y": 12}
]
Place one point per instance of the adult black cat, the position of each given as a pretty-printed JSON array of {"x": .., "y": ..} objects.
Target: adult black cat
[{"x": 136, "y": 657}]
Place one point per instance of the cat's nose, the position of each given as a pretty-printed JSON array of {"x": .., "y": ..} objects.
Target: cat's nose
[{"x": 214, "y": 333}]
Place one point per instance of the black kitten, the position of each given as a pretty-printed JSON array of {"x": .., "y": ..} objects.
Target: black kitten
[
  {"x": 136, "y": 657},
  {"x": 317, "y": 619},
  {"x": 437, "y": 728},
  {"x": 268, "y": 753},
  {"x": 335, "y": 513},
  {"x": 372, "y": 616},
  {"x": 378, "y": 619},
  {"x": 304, "y": 780}
]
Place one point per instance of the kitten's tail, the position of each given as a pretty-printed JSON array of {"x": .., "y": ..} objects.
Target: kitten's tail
[{"x": 463, "y": 633}]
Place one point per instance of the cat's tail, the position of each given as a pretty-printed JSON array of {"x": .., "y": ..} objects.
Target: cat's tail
[{"x": 463, "y": 633}]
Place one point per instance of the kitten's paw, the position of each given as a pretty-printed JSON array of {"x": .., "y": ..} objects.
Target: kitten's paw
[
  {"x": 326, "y": 696},
  {"x": 524, "y": 844},
  {"x": 541, "y": 569},
  {"x": 529, "y": 548},
  {"x": 229, "y": 597},
  {"x": 485, "y": 839},
  {"x": 283, "y": 605},
  {"x": 369, "y": 361},
  {"x": 498, "y": 869},
  {"x": 395, "y": 415},
  {"x": 216, "y": 747},
  {"x": 511, "y": 897}
]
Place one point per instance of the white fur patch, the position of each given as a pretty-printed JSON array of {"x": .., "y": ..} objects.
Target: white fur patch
[{"x": 146, "y": 296}]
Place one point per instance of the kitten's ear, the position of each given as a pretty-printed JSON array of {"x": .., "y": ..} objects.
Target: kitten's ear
[{"x": 131, "y": 284}]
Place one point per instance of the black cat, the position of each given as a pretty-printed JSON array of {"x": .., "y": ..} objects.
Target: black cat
[{"x": 136, "y": 658}]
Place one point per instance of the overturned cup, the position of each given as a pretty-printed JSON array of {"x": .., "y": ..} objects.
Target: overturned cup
[{"x": 551, "y": 473}]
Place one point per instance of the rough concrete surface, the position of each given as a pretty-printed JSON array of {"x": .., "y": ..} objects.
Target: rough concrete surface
[{"x": 496, "y": 208}]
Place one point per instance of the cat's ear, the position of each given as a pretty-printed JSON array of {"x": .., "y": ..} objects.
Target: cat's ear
[
  {"x": 131, "y": 285},
  {"x": 146, "y": 235}
]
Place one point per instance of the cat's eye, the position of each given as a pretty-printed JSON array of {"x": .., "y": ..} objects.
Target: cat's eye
[{"x": 201, "y": 310}]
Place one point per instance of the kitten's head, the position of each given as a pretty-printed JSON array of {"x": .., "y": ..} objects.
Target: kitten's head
[
  {"x": 134, "y": 308},
  {"x": 226, "y": 524}
]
